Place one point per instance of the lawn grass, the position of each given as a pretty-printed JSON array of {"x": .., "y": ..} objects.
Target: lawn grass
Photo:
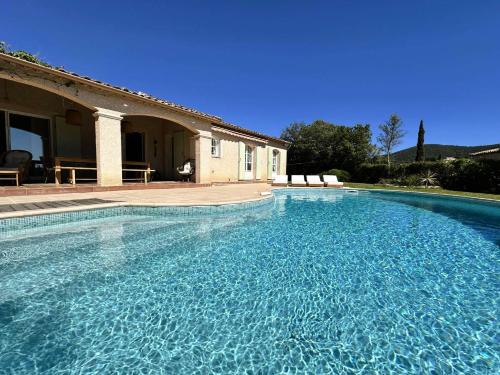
[{"x": 423, "y": 190}]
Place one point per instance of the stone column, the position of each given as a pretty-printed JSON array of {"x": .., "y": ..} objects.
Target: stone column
[
  {"x": 203, "y": 145},
  {"x": 108, "y": 147}
]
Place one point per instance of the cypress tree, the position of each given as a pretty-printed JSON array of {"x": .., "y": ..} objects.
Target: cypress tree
[{"x": 420, "y": 143}]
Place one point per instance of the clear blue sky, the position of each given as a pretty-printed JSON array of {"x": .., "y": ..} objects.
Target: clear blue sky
[{"x": 263, "y": 64}]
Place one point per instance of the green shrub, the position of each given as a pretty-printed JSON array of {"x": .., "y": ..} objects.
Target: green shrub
[
  {"x": 388, "y": 181},
  {"x": 411, "y": 180},
  {"x": 428, "y": 178},
  {"x": 371, "y": 173},
  {"x": 461, "y": 174},
  {"x": 471, "y": 175},
  {"x": 22, "y": 55},
  {"x": 342, "y": 175},
  {"x": 406, "y": 169}
]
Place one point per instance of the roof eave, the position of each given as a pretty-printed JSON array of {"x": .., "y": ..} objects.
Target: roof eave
[
  {"x": 216, "y": 120},
  {"x": 251, "y": 132},
  {"x": 104, "y": 86}
]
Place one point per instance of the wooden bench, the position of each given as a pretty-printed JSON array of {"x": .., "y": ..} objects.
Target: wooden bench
[
  {"x": 60, "y": 164},
  {"x": 59, "y": 167},
  {"x": 15, "y": 172},
  {"x": 145, "y": 173}
]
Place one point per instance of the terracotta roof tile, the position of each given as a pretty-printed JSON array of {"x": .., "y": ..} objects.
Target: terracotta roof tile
[
  {"x": 215, "y": 119},
  {"x": 249, "y": 132},
  {"x": 485, "y": 152}
]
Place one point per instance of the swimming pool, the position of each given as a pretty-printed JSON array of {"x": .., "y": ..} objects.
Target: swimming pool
[{"x": 317, "y": 281}]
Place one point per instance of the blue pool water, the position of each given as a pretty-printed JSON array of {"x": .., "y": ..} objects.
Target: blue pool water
[{"x": 312, "y": 282}]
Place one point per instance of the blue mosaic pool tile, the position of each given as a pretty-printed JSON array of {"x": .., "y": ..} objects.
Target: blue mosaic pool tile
[{"x": 28, "y": 222}]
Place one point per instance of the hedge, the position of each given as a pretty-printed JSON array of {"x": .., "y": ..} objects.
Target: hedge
[
  {"x": 342, "y": 175},
  {"x": 371, "y": 173},
  {"x": 461, "y": 174},
  {"x": 472, "y": 175}
]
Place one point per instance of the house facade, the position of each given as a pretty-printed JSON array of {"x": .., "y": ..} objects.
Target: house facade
[{"x": 54, "y": 113}]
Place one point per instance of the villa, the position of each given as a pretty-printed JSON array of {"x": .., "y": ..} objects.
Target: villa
[
  {"x": 140, "y": 236},
  {"x": 84, "y": 129}
]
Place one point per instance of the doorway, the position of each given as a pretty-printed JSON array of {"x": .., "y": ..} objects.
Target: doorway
[
  {"x": 248, "y": 162},
  {"x": 22, "y": 131},
  {"x": 178, "y": 149},
  {"x": 134, "y": 147},
  {"x": 276, "y": 163}
]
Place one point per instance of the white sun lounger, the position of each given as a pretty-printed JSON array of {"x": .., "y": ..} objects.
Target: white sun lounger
[
  {"x": 280, "y": 180},
  {"x": 314, "y": 181},
  {"x": 298, "y": 180},
  {"x": 332, "y": 181}
]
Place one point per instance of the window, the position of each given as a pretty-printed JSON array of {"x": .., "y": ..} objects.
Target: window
[
  {"x": 215, "y": 148},
  {"x": 276, "y": 154},
  {"x": 248, "y": 158},
  {"x": 31, "y": 134},
  {"x": 3, "y": 132}
]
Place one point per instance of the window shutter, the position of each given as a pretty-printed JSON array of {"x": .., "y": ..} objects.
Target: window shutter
[
  {"x": 269, "y": 163},
  {"x": 241, "y": 171},
  {"x": 282, "y": 161},
  {"x": 257, "y": 163}
]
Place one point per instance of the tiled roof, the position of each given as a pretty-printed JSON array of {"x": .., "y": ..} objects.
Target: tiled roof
[
  {"x": 484, "y": 152},
  {"x": 249, "y": 132},
  {"x": 214, "y": 119}
]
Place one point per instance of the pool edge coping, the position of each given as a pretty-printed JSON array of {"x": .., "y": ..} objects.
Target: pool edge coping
[
  {"x": 49, "y": 211},
  {"x": 425, "y": 193},
  {"x": 59, "y": 210},
  {"x": 386, "y": 190}
]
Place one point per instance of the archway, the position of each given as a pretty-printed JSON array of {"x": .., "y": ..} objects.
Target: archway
[
  {"x": 157, "y": 142},
  {"x": 45, "y": 123}
]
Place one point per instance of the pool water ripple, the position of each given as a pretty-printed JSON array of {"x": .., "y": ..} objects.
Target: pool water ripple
[{"x": 321, "y": 282}]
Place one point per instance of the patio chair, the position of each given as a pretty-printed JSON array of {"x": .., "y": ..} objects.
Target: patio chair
[
  {"x": 280, "y": 180},
  {"x": 48, "y": 168},
  {"x": 314, "y": 181},
  {"x": 15, "y": 163},
  {"x": 298, "y": 180},
  {"x": 332, "y": 181},
  {"x": 186, "y": 170}
]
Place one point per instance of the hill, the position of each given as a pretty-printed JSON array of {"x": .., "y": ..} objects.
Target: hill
[{"x": 434, "y": 151}]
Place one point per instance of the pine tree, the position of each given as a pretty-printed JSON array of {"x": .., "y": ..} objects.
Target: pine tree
[{"x": 420, "y": 143}]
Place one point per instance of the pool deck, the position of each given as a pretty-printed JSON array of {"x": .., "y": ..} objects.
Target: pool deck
[
  {"x": 27, "y": 205},
  {"x": 191, "y": 195}
]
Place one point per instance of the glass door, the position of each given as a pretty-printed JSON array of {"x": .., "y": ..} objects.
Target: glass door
[
  {"x": 31, "y": 133},
  {"x": 3, "y": 132},
  {"x": 276, "y": 161},
  {"x": 248, "y": 162}
]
